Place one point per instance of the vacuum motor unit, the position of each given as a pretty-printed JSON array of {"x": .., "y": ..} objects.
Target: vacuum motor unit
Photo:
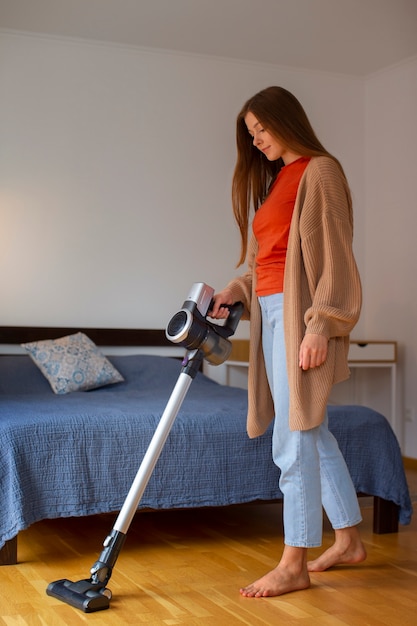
[{"x": 191, "y": 329}]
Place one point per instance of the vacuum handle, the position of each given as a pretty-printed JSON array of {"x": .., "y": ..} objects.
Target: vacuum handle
[{"x": 235, "y": 313}]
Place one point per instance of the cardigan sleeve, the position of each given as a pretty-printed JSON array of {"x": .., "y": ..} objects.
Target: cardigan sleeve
[
  {"x": 322, "y": 287},
  {"x": 326, "y": 229}
]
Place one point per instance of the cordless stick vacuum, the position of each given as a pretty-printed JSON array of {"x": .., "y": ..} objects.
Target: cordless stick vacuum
[{"x": 203, "y": 339}]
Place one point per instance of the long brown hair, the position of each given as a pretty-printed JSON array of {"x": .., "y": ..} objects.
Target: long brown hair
[{"x": 282, "y": 115}]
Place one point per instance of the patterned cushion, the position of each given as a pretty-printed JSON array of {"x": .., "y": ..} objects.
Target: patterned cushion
[{"x": 72, "y": 363}]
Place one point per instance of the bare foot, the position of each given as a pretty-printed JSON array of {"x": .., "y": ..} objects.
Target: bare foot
[
  {"x": 276, "y": 583},
  {"x": 290, "y": 575},
  {"x": 347, "y": 549}
]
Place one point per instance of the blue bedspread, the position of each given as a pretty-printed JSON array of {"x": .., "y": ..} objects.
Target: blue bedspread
[{"x": 78, "y": 454}]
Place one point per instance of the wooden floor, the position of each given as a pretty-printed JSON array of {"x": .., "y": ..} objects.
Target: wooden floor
[{"x": 186, "y": 567}]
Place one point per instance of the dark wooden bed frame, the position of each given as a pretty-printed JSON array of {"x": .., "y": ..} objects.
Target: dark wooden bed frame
[
  {"x": 101, "y": 336},
  {"x": 385, "y": 513}
]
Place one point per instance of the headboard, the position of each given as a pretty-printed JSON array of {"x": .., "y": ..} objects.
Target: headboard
[
  {"x": 111, "y": 340},
  {"x": 15, "y": 335}
]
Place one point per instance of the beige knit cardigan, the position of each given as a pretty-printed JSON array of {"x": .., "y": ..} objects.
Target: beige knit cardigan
[{"x": 322, "y": 295}]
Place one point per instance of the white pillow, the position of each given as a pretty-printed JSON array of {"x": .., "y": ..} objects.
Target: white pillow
[{"x": 72, "y": 363}]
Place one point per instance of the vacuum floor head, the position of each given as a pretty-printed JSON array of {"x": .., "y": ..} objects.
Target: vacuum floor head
[{"x": 82, "y": 595}]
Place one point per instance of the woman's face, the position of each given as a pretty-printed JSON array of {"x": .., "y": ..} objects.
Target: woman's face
[{"x": 267, "y": 143}]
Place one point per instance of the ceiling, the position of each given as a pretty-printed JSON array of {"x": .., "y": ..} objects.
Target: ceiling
[{"x": 355, "y": 37}]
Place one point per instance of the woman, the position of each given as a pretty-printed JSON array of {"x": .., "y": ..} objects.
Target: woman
[{"x": 302, "y": 294}]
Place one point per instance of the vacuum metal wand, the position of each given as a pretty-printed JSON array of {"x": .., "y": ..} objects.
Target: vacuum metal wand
[
  {"x": 152, "y": 454},
  {"x": 92, "y": 595}
]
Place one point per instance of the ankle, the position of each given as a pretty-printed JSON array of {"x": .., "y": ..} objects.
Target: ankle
[
  {"x": 294, "y": 558},
  {"x": 347, "y": 535}
]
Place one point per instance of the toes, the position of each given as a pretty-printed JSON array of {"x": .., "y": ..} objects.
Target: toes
[{"x": 251, "y": 592}]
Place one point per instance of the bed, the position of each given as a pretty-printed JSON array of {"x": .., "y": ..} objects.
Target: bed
[{"x": 77, "y": 454}]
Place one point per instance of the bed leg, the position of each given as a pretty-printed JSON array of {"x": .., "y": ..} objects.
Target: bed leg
[
  {"x": 8, "y": 553},
  {"x": 385, "y": 516}
]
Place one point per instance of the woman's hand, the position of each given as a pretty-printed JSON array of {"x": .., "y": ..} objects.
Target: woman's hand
[
  {"x": 313, "y": 351},
  {"x": 218, "y": 311}
]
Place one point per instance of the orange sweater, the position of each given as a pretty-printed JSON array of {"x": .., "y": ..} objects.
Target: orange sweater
[{"x": 271, "y": 226}]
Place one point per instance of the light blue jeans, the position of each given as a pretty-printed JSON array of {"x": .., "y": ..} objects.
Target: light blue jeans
[{"x": 313, "y": 471}]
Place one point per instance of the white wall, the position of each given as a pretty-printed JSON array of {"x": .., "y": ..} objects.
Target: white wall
[
  {"x": 115, "y": 170},
  {"x": 390, "y": 310}
]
